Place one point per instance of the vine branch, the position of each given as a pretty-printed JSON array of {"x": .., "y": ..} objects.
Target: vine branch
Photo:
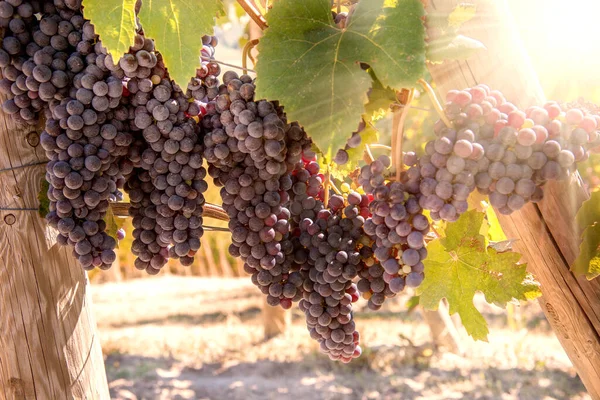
[
  {"x": 209, "y": 211},
  {"x": 246, "y": 53},
  {"x": 326, "y": 186},
  {"x": 254, "y": 13},
  {"x": 436, "y": 103},
  {"x": 397, "y": 156}
]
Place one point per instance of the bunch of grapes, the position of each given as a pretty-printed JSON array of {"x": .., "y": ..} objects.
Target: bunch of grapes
[
  {"x": 106, "y": 122},
  {"x": 332, "y": 241},
  {"x": 500, "y": 150},
  {"x": 83, "y": 139},
  {"x": 167, "y": 209},
  {"x": 397, "y": 227},
  {"x": 251, "y": 151}
]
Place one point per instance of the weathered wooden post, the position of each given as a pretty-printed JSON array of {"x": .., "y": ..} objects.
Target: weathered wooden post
[
  {"x": 548, "y": 236},
  {"x": 49, "y": 345}
]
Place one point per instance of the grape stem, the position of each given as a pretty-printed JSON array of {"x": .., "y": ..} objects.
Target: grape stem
[
  {"x": 209, "y": 228},
  {"x": 226, "y": 64},
  {"x": 434, "y": 230},
  {"x": 326, "y": 186},
  {"x": 246, "y": 53},
  {"x": 254, "y": 13},
  {"x": 380, "y": 146},
  {"x": 436, "y": 103},
  {"x": 335, "y": 188},
  {"x": 209, "y": 211},
  {"x": 399, "y": 119},
  {"x": 368, "y": 155}
]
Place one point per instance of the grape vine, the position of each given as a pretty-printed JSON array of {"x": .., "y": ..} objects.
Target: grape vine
[{"x": 119, "y": 119}]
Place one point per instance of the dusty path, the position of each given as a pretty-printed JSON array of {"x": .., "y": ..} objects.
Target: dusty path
[{"x": 196, "y": 338}]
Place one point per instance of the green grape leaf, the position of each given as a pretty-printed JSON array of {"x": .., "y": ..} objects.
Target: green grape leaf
[
  {"x": 43, "y": 200},
  {"x": 588, "y": 260},
  {"x": 313, "y": 67},
  {"x": 412, "y": 303},
  {"x": 452, "y": 47},
  {"x": 114, "y": 22},
  {"x": 462, "y": 13},
  {"x": 460, "y": 264},
  {"x": 589, "y": 212},
  {"x": 491, "y": 229},
  {"x": 380, "y": 99},
  {"x": 177, "y": 27},
  {"x": 369, "y": 135},
  {"x": 113, "y": 224}
]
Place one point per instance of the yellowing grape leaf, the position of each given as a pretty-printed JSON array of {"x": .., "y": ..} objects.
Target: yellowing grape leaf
[
  {"x": 589, "y": 212},
  {"x": 588, "y": 260},
  {"x": 380, "y": 99},
  {"x": 114, "y": 22},
  {"x": 491, "y": 228},
  {"x": 177, "y": 27},
  {"x": 43, "y": 201},
  {"x": 460, "y": 264},
  {"x": 462, "y": 13},
  {"x": 113, "y": 224},
  {"x": 313, "y": 67}
]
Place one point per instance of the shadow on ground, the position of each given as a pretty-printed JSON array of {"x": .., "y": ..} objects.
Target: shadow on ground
[{"x": 134, "y": 377}]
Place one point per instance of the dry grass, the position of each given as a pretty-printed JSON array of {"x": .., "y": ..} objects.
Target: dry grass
[{"x": 198, "y": 338}]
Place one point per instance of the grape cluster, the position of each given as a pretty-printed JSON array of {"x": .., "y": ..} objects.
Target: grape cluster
[
  {"x": 83, "y": 139},
  {"x": 398, "y": 228},
  {"x": 446, "y": 173},
  {"x": 251, "y": 151},
  {"x": 39, "y": 58},
  {"x": 166, "y": 190},
  {"x": 332, "y": 241},
  {"x": 501, "y": 151},
  {"x": 107, "y": 123}
]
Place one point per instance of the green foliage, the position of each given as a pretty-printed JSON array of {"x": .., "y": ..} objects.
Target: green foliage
[
  {"x": 412, "y": 303},
  {"x": 114, "y": 22},
  {"x": 588, "y": 219},
  {"x": 113, "y": 224},
  {"x": 44, "y": 202},
  {"x": 463, "y": 12},
  {"x": 380, "y": 99},
  {"x": 588, "y": 260},
  {"x": 312, "y": 66},
  {"x": 589, "y": 212},
  {"x": 460, "y": 264},
  {"x": 491, "y": 227},
  {"x": 177, "y": 27}
]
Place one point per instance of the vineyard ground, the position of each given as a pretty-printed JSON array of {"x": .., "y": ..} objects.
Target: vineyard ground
[{"x": 201, "y": 338}]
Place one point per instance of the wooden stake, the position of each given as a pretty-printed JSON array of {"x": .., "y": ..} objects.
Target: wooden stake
[
  {"x": 549, "y": 237},
  {"x": 49, "y": 343}
]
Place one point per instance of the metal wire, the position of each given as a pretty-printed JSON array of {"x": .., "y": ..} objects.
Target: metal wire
[{"x": 24, "y": 166}]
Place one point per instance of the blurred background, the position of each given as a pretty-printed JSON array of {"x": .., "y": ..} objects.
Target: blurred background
[{"x": 204, "y": 332}]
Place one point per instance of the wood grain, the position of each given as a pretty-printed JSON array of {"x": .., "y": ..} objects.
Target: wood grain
[
  {"x": 548, "y": 237},
  {"x": 49, "y": 347}
]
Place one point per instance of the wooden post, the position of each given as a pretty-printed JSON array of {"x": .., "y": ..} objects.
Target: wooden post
[
  {"x": 442, "y": 329},
  {"x": 49, "y": 345},
  {"x": 548, "y": 236}
]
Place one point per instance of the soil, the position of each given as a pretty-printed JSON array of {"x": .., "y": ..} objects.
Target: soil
[{"x": 202, "y": 338}]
